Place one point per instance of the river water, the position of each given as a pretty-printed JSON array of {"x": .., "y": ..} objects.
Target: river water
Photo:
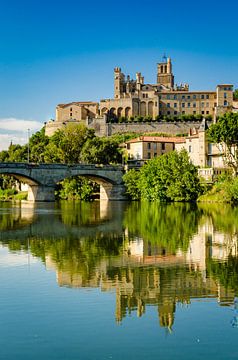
[{"x": 117, "y": 280}]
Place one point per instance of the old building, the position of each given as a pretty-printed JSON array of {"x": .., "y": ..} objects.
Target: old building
[
  {"x": 148, "y": 147},
  {"x": 133, "y": 98}
]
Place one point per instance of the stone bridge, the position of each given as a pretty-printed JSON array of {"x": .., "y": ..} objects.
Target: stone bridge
[{"x": 43, "y": 178}]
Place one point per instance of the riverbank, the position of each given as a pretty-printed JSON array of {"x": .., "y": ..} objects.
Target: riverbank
[{"x": 12, "y": 194}]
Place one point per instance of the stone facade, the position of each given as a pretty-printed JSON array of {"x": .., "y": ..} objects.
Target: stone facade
[{"x": 136, "y": 98}]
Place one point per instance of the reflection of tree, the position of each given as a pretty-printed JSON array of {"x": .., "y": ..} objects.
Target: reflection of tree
[
  {"x": 80, "y": 213},
  {"x": 226, "y": 272},
  {"x": 170, "y": 226},
  {"x": 224, "y": 216}
]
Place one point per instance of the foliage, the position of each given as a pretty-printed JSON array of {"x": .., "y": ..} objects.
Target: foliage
[
  {"x": 101, "y": 151},
  {"x": 235, "y": 94},
  {"x": 225, "y": 189},
  {"x": 71, "y": 140},
  {"x": 170, "y": 177},
  {"x": 131, "y": 180},
  {"x": 77, "y": 188},
  {"x": 225, "y": 133}
]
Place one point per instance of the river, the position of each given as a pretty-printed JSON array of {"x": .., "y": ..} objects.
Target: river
[{"x": 118, "y": 280}]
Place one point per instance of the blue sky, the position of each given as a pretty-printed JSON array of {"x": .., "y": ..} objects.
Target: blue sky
[{"x": 61, "y": 51}]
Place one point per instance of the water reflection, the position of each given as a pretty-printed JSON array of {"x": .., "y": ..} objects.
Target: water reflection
[{"x": 146, "y": 253}]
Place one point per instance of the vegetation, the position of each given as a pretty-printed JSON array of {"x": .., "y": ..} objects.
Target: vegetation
[
  {"x": 235, "y": 94},
  {"x": 225, "y": 189},
  {"x": 170, "y": 177},
  {"x": 225, "y": 133},
  {"x": 163, "y": 118}
]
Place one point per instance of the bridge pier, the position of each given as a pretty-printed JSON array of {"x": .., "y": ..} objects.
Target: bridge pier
[
  {"x": 41, "y": 193},
  {"x": 112, "y": 192}
]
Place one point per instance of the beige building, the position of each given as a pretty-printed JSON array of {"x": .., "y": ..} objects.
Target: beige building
[
  {"x": 148, "y": 147},
  {"x": 136, "y": 98}
]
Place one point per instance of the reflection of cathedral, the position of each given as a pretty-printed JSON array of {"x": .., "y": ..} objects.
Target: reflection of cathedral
[{"x": 144, "y": 274}]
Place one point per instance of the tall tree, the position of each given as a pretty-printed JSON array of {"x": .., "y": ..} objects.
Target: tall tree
[{"x": 225, "y": 133}]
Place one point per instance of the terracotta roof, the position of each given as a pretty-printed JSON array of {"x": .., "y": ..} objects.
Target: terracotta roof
[
  {"x": 157, "y": 139},
  {"x": 77, "y": 103}
]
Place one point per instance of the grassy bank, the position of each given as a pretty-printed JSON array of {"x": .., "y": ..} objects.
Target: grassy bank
[
  {"x": 12, "y": 194},
  {"x": 225, "y": 189}
]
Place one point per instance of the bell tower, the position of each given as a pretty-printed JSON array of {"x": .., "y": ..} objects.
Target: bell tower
[
  {"x": 164, "y": 73},
  {"x": 119, "y": 81}
]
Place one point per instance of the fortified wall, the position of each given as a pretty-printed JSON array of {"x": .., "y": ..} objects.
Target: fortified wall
[{"x": 103, "y": 128}]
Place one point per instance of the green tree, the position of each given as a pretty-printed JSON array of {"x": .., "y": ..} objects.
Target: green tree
[
  {"x": 235, "y": 94},
  {"x": 101, "y": 151},
  {"x": 70, "y": 141},
  {"x": 170, "y": 177},
  {"x": 225, "y": 133},
  {"x": 131, "y": 180}
]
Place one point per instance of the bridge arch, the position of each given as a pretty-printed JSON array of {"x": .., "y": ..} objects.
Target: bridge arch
[{"x": 43, "y": 178}]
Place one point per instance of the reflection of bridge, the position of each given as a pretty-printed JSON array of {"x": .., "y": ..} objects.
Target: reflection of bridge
[
  {"x": 57, "y": 223},
  {"x": 42, "y": 178}
]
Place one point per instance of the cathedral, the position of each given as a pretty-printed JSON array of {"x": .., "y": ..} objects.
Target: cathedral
[{"x": 133, "y": 98}]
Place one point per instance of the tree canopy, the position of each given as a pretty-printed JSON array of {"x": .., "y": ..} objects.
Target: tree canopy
[
  {"x": 225, "y": 133},
  {"x": 170, "y": 177}
]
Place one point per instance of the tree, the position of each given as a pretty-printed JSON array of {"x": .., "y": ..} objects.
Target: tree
[
  {"x": 170, "y": 177},
  {"x": 235, "y": 94},
  {"x": 101, "y": 151},
  {"x": 225, "y": 133},
  {"x": 131, "y": 180},
  {"x": 70, "y": 141}
]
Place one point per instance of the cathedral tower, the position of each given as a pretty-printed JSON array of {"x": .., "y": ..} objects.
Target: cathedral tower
[{"x": 164, "y": 73}]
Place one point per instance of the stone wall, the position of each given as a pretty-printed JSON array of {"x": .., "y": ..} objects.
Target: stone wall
[{"x": 104, "y": 129}]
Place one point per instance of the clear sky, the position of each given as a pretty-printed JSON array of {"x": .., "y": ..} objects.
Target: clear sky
[{"x": 60, "y": 51}]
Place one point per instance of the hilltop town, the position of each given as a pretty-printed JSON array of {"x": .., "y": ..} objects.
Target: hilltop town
[{"x": 139, "y": 106}]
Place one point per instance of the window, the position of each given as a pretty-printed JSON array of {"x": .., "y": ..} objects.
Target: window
[
  {"x": 194, "y": 96},
  {"x": 148, "y": 146},
  {"x": 215, "y": 104},
  {"x": 155, "y": 154},
  {"x": 175, "y": 97},
  {"x": 71, "y": 109},
  {"x": 71, "y": 114},
  {"x": 175, "y": 113},
  {"x": 168, "y": 96},
  {"x": 225, "y": 95},
  {"x": 188, "y": 97},
  {"x": 183, "y": 104},
  {"x": 202, "y": 104},
  {"x": 194, "y": 105},
  {"x": 149, "y": 155},
  {"x": 155, "y": 146},
  {"x": 156, "y": 103},
  {"x": 175, "y": 104},
  {"x": 207, "y": 112},
  {"x": 202, "y": 96},
  {"x": 225, "y": 103},
  {"x": 190, "y": 148},
  {"x": 207, "y": 96},
  {"x": 168, "y": 105},
  {"x": 202, "y": 112},
  {"x": 183, "y": 96},
  {"x": 163, "y": 146},
  {"x": 168, "y": 112},
  {"x": 194, "y": 113},
  {"x": 189, "y": 104},
  {"x": 183, "y": 112}
]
